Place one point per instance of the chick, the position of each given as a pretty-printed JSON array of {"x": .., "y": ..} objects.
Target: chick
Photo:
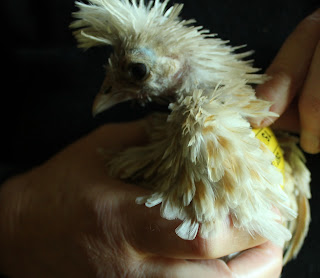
[{"x": 203, "y": 162}]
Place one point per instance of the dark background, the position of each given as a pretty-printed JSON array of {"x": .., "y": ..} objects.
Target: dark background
[{"x": 48, "y": 84}]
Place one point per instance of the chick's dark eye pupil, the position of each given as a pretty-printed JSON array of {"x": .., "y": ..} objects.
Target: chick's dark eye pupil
[{"x": 138, "y": 71}]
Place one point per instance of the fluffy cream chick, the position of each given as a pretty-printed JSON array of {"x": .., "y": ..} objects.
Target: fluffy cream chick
[{"x": 203, "y": 162}]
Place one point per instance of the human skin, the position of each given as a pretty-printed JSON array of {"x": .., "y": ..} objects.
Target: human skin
[
  {"x": 294, "y": 87},
  {"x": 68, "y": 218}
]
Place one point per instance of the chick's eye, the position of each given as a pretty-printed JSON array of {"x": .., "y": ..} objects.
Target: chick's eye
[{"x": 138, "y": 71}]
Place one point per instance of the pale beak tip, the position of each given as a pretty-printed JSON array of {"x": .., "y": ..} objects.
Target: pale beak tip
[
  {"x": 96, "y": 109},
  {"x": 104, "y": 102}
]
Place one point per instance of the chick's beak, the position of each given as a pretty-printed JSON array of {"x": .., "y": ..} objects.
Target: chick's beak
[{"x": 107, "y": 97}]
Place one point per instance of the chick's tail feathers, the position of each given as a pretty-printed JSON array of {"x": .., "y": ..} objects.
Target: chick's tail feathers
[{"x": 297, "y": 187}]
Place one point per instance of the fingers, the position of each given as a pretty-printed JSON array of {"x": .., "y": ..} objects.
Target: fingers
[
  {"x": 186, "y": 269},
  {"x": 264, "y": 261},
  {"x": 151, "y": 234},
  {"x": 309, "y": 106},
  {"x": 290, "y": 66}
]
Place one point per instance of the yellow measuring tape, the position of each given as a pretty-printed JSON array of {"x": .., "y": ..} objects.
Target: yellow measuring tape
[{"x": 266, "y": 136}]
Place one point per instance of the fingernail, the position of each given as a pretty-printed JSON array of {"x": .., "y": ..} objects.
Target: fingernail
[
  {"x": 309, "y": 142},
  {"x": 262, "y": 122},
  {"x": 267, "y": 122}
]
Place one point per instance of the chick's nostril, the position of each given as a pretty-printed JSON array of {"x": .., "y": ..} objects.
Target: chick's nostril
[{"x": 107, "y": 90}]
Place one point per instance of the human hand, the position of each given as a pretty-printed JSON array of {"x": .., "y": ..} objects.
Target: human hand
[
  {"x": 295, "y": 85},
  {"x": 67, "y": 218}
]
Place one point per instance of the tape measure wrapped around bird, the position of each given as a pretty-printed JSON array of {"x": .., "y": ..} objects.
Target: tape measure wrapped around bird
[
  {"x": 203, "y": 162},
  {"x": 267, "y": 136}
]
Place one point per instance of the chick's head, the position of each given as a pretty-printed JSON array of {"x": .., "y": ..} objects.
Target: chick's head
[
  {"x": 144, "y": 65},
  {"x": 139, "y": 73},
  {"x": 156, "y": 54}
]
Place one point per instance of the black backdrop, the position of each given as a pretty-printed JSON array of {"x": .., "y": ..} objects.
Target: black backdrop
[{"x": 48, "y": 84}]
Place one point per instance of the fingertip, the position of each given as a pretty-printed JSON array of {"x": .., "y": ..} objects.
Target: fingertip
[
  {"x": 264, "y": 260},
  {"x": 263, "y": 122},
  {"x": 276, "y": 90}
]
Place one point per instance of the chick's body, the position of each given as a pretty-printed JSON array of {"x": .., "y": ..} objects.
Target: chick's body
[{"x": 203, "y": 161}]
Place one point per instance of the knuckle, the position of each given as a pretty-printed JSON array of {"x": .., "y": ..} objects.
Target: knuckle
[
  {"x": 283, "y": 78},
  {"x": 284, "y": 81},
  {"x": 201, "y": 248}
]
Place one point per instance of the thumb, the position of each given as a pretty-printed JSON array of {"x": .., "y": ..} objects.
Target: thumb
[
  {"x": 117, "y": 136},
  {"x": 151, "y": 234}
]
